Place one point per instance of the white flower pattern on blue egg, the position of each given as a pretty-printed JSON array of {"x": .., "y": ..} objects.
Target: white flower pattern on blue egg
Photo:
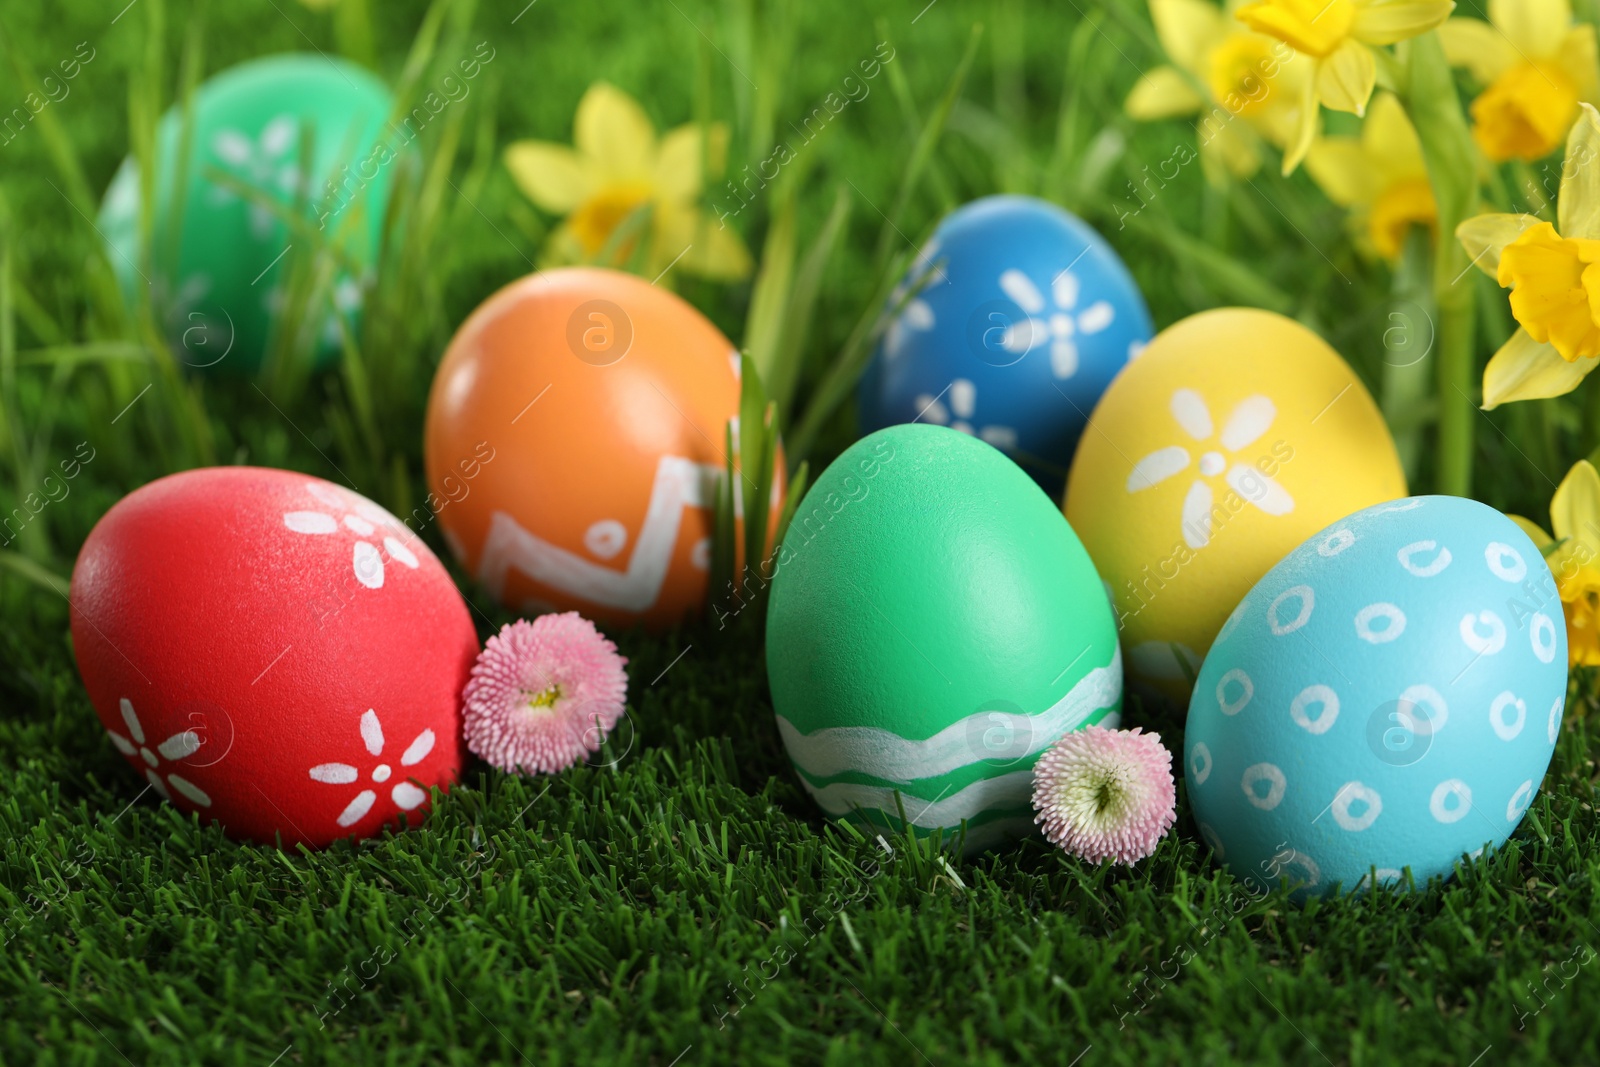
[
  {"x": 1367, "y": 703},
  {"x": 1059, "y": 325}
]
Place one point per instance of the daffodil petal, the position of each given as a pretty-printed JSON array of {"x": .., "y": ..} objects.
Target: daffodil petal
[
  {"x": 684, "y": 151},
  {"x": 1534, "y": 27},
  {"x": 613, "y": 131},
  {"x": 1578, "y": 207},
  {"x": 1187, "y": 29},
  {"x": 1310, "y": 123},
  {"x": 700, "y": 245},
  {"x": 1525, "y": 369},
  {"x": 1579, "y": 57},
  {"x": 1534, "y": 531},
  {"x": 552, "y": 176},
  {"x": 1340, "y": 167},
  {"x": 1388, "y": 21},
  {"x": 1391, "y": 141},
  {"x": 1162, "y": 93},
  {"x": 1477, "y": 46},
  {"x": 1346, "y": 78},
  {"x": 1575, "y": 508},
  {"x": 1484, "y": 236}
]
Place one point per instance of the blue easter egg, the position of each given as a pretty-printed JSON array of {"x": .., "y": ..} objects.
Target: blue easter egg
[
  {"x": 1388, "y": 696},
  {"x": 1008, "y": 325}
]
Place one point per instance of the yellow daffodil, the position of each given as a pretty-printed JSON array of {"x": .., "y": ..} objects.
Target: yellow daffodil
[
  {"x": 1575, "y": 563},
  {"x": 1221, "y": 72},
  {"x": 617, "y": 167},
  {"x": 1552, "y": 274},
  {"x": 1339, "y": 36},
  {"x": 1537, "y": 66},
  {"x": 1380, "y": 176}
]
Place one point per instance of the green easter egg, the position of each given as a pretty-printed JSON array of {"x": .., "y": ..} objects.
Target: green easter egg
[
  {"x": 222, "y": 256},
  {"x": 934, "y": 624}
]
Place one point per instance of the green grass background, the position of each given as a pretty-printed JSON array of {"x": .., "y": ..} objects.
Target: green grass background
[{"x": 681, "y": 901}]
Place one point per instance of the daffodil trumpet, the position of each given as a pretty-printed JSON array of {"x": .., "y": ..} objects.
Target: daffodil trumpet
[
  {"x": 1553, "y": 278},
  {"x": 1573, "y": 558}
]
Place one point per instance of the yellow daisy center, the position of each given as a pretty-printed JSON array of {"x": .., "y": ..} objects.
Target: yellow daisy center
[
  {"x": 1526, "y": 113},
  {"x": 545, "y": 698},
  {"x": 1555, "y": 289},
  {"x": 1402, "y": 205},
  {"x": 1315, "y": 27},
  {"x": 598, "y": 217},
  {"x": 1234, "y": 72}
]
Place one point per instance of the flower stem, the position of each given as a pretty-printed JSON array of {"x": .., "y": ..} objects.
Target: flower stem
[{"x": 1435, "y": 106}]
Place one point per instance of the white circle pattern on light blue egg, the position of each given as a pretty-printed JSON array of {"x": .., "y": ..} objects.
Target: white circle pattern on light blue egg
[
  {"x": 1520, "y": 801},
  {"x": 1440, "y": 561},
  {"x": 1453, "y": 787},
  {"x": 1247, "y": 689},
  {"x": 1395, "y": 721},
  {"x": 1483, "y": 645},
  {"x": 1417, "y": 697},
  {"x": 1308, "y": 600},
  {"x": 1496, "y": 556},
  {"x": 1544, "y": 648},
  {"x": 1507, "y": 731},
  {"x": 1313, "y": 696},
  {"x": 1276, "y": 784},
  {"x": 1351, "y": 793},
  {"x": 1335, "y": 543},
  {"x": 1394, "y": 626}
]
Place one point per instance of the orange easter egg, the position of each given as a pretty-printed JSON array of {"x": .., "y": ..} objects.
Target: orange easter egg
[{"x": 575, "y": 441}]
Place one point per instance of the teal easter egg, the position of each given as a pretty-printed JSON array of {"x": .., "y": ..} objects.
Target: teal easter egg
[
  {"x": 1388, "y": 696},
  {"x": 934, "y": 624},
  {"x": 222, "y": 250}
]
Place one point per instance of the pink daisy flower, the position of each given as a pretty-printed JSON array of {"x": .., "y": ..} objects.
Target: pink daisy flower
[
  {"x": 544, "y": 694},
  {"x": 1105, "y": 794}
]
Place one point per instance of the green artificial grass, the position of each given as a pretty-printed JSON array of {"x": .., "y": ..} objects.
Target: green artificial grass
[{"x": 680, "y": 901}]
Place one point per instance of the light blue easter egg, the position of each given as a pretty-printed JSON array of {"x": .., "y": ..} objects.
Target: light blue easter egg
[
  {"x": 1387, "y": 696},
  {"x": 1009, "y": 325}
]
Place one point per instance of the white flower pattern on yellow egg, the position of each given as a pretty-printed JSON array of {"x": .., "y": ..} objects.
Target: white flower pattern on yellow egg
[
  {"x": 406, "y": 795},
  {"x": 363, "y": 518},
  {"x": 1252, "y": 417},
  {"x": 179, "y": 746},
  {"x": 1060, "y": 325}
]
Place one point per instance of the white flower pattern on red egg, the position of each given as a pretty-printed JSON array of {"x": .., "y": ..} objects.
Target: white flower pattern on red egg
[
  {"x": 1252, "y": 417},
  {"x": 364, "y": 519},
  {"x": 406, "y": 795},
  {"x": 179, "y": 746}
]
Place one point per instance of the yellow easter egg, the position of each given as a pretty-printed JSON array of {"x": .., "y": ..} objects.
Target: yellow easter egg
[{"x": 1235, "y": 436}]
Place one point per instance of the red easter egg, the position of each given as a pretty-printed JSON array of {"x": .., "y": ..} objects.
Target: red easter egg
[
  {"x": 575, "y": 438},
  {"x": 274, "y": 652}
]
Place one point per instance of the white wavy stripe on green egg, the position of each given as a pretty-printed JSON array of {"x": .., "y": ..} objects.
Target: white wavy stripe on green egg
[{"x": 933, "y": 628}]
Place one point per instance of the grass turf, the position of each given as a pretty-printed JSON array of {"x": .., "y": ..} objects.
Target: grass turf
[{"x": 680, "y": 901}]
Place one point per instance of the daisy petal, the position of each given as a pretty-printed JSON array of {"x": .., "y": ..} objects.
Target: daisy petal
[
  {"x": 334, "y": 773},
  {"x": 408, "y": 796},
  {"x": 419, "y": 749},
  {"x": 180, "y": 746},
  {"x": 1157, "y": 467},
  {"x": 1259, "y": 490},
  {"x": 372, "y": 732},
  {"x": 1197, "y": 515},
  {"x": 1020, "y": 288},
  {"x": 1189, "y": 408},
  {"x": 357, "y": 808},
  {"x": 190, "y": 790},
  {"x": 1252, "y": 418},
  {"x": 310, "y": 522},
  {"x": 135, "y": 731}
]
